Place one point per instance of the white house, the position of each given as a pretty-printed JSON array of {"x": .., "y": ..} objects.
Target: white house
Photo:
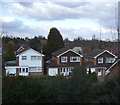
[{"x": 29, "y": 62}]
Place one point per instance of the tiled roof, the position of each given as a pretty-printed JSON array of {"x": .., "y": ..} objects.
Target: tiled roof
[
  {"x": 56, "y": 53},
  {"x": 94, "y": 53},
  {"x": 11, "y": 63},
  {"x": 89, "y": 64},
  {"x": 53, "y": 63}
]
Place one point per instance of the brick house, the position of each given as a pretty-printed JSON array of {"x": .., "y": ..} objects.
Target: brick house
[
  {"x": 29, "y": 62},
  {"x": 99, "y": 60},
  {"x": 114, "y": 69},
  {"x": 63, "y": 61}
]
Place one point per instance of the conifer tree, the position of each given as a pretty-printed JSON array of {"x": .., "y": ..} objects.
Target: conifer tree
[
  {"x": 55, "y": 41},
  {"x": 10, "y": 55}
]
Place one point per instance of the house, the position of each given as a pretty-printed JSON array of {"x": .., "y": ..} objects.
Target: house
[
  {"x": 63, "y": 61},
  {"x": 78, "y": 50},
  {"x": 29, "y": 62},
  {"x": 114, "y": 69},
  {"x": 99, "y": 60}
]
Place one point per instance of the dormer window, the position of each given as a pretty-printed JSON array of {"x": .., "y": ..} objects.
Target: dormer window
[
  {"x": 100, "y": 60},
  {"x": 63, "y": 59}
]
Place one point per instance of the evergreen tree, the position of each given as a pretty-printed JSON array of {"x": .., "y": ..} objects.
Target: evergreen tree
[
  {"x": 10, "y": 55},
  {"x": 55, "y": 41}
]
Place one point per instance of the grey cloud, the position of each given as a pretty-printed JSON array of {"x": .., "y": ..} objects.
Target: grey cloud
[
  {"x": 71, "y": 4},
  {"x": 16, "y": 24},
  {"x": 42, "y": 11},
  {"x": 26, "y": 4}
]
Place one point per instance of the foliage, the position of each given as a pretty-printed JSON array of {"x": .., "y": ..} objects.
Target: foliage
[
  {"x": 10, "y": 55},
  {"x": 34, "y": 43},
  {"x": 79, "y": 88},
  {"x": 54, "y": 42}
]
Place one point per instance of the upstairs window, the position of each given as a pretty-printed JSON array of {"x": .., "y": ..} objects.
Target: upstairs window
[
  {"x": 35, "y": 57},
  {"x": 63, "y": 59},
  {"x": 74, "y": 59},
  {"x": 110, "y": 60},
  {"x": 100, "y": 60},
  {"x": 24, "y": 57}
]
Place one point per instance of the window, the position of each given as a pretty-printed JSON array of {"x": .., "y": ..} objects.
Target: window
[
  {"x": 24, "y": 57},
  {"x": 35, "y": 57},
  {"x": 63, "y": 59},
  {"x": 39, "y": 57},
  {"x": 37, "y": 69},
  {"x": 110, "y": 60},
  {"x": 32, "y": 69},
  {"x": 23, "y": 70},
  {"x": 64, "y": 70},
  {"x": 20, "y": 70},
  {"x": 100, "y": 60},
  {"x": 74, "y": 59},
  {"x": 99, "y": 70},
  {"x": 67, "y": 69},
  {"x": 61, "y": 69},
  {"x": 26, "y": 70}
]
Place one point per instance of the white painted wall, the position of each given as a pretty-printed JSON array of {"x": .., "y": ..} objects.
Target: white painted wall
[
  {"x": 10, "y": 70},
  {"x": 29, "y": 62},
  {"x": 53, "y": 71},
  {"x": 92, "y": 70},
  {"x": 23, "y": 74}
]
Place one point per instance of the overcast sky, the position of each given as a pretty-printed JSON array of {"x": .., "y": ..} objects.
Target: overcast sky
[{"x": 72, "y": 19}]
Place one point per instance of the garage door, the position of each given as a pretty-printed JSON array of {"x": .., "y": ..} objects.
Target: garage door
[{"x": 53, "y": 71}]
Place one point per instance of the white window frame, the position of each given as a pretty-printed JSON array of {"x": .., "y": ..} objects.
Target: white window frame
[
  {"x": 77, "y": 59},
  {"x": 24, "y": 57},
  {"x": 36, "y": 57},
  {"x": 64, "y": 57},
  {"x": 99, "y": 71},
  {"x": 36, "y": 69},
  {"x": 23, "y": 70},
  {"x": 100, "y": 59},
  {"x": 110, "y": 59}
]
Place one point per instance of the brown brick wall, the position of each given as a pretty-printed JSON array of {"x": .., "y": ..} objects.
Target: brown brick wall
[
  {"x": 58, "y": 71},
  {"x": 35, "y": 73},
  {"x": 17, "y": 59},
  {"x": 80, "y": 61},
  {"x": 68, "y": 55},
  {"x": 93, "y": 60},
  {"x": 104, "y": 55},
  {"x": 115, "y": 70},
  {"x": 17, "y": 71}
]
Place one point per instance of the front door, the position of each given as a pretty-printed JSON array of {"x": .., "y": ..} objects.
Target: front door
[{"x": 99, "y": 72}]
